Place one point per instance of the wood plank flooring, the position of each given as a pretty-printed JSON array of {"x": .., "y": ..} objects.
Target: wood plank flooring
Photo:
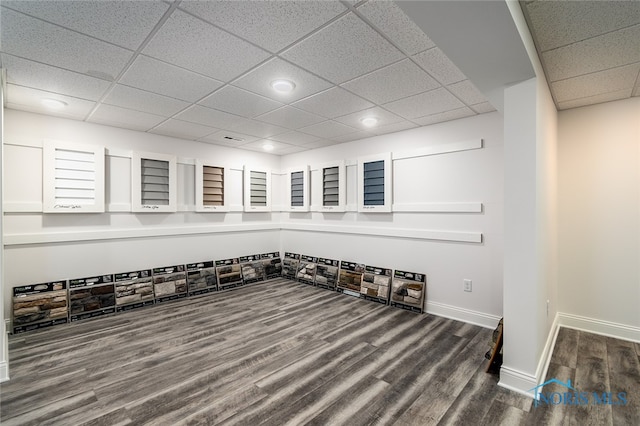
[{"x": 283, "y": 353}]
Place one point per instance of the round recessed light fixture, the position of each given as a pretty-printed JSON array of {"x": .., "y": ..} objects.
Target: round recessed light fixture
[
  {"x": 267, "y": 147},
  {"x": 283, "y": 86},
  {"x": 53, "y": 103},
  {"x": 369, "y": 121}
]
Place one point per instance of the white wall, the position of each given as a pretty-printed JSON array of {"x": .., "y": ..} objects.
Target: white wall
[
  {"x": 599, "y": 218},
  {"x": 402, "y": 240},
  {"x": 4, "y": 344},
  {"x": 530, "y": 269},
  {"x": 46, "y": 247}
]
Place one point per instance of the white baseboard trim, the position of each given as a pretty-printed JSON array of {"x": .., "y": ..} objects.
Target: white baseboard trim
[
  {"x": 522, "y": 383},
  {"x": 4, "y": 351},
  {"x": 461, "y": 314},
  {"x": 4, "y": 371},
  {"x": 596, "y": 326},
  {"x": 547, "y": 351},
  {"x": 517, "y": 381}
]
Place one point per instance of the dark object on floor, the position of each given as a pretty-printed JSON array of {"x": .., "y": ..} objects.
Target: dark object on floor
[{"x": 494, "y": 355}]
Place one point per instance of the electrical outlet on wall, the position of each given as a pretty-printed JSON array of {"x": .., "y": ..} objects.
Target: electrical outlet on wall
[{"x": 466, "y": 285}]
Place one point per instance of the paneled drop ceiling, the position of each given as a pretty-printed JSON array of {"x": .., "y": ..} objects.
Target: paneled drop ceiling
[
  {"x": 590, "y": 50},
  {"x": 202, "y": 70}
]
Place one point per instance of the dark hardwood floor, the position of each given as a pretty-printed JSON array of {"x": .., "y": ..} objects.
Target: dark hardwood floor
[{"x": 283, "y": 353}]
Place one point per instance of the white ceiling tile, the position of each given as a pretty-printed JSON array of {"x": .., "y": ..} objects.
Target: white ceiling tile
[
  {"x": 596, "y": 54},
  {"x": 328, "y": 129},
  {"x": 272, "y": 25},
  {"x": 467, "y": 92},
  {"x": 433, "y": 102},
  {"x": 353, "y": 136},
  {"x": 259, "y": 81},
  {"x": 445, "y": 116},
  {"x": 391, "y": 83},
  {"x": 140, "y": 100},
  {"x": 598, "y": 83},
  {"x": 28, "y": 99},
  {"x": 208, "y": 117},
  {"x": 395, "y": 127},
  {"x": 439, "y": 66},
  {"x": 290, "y": 117},
  {"x": 389, "y": 18},
  {"x": 258, "y": 145},
  {"x": 39, "y": 76},
  {"x": 32, "y": 38},
  {"x": 384, "y": 117},
  {"x": 559, "y": 23},
  {"x": 126, "y": 118},
  {"x": 592, "y": 100},
  {"x": 229, "y": 138},
  {"x": 183, "y": 129},
  {"x": 237, "y": 101},
  {"x": 168, "y": 80},
  {"x": 195, "y": 45},
  {"x": 232, "y": 144},
  {"x": 125, "y": 23},
  {"x": 333, "y": 103},
  {"x": 343, "y": 50},
  {"x": 320, "y": 143},
  {"x": 483, "y": 108},
  {"x": 292, "y": 150},
  {"x": 256, "y": 128},
  {"x": 295, "y": 138}
]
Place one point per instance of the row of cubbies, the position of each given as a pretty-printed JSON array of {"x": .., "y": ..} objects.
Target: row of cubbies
[{"x": 59, "y": 302}]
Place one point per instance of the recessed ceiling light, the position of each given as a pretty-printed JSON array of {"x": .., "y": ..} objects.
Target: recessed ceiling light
[
  {"x": 369, "y": 121},
  {"x": 283, "y": 86},
  {"x": 267, "y": 147},
  {"x": 53, "y": 103}
]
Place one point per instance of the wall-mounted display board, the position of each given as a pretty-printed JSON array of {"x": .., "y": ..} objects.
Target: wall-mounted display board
[
  {"x": 39, "y": 305},
  {"x": 72, "y": 178},
  {"x": 298, "y": 190},
  {"x": 201, "y": 278},
  {"x": 375, "y": 284},
  {"x": 169, "y": 283},
  {"x": 91, "y": 297},
  {"x": 134, "y": 290},
  {"x": 350, "y": 277},
  {"x": 290, "y": 265},
  {"x": 272, "y": 264},
  {"x": 307, "y": 269},
  {"x": 229, "y": 273},
  {"x": 408, "y": 290},
  {"x": 327, "y": 273},
  {"x": 257, "y": 190},
  {"x": 210, "y": 188},
  {"x": 374, "y": 184},
  {"x": 153, "y": 182},
  {"x": 252, "y": 268},
  {"x": 332, "y": 186}
]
